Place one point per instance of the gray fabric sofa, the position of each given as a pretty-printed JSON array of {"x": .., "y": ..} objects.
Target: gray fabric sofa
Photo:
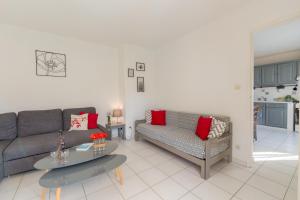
[
  {"x": 179, "y": 137},
  {"x": 32, "y": 135}
]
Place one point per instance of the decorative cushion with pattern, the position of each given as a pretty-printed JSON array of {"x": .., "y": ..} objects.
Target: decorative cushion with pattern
[
  {"x": 148, "y": 116},
  {"x": 217, "y": 128},
  {"x": 79, "y": 122}
]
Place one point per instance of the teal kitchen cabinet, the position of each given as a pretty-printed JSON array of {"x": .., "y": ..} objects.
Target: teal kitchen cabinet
[
  {"x": 269, "y": 75},
  {"x": 287, "y": 73}
]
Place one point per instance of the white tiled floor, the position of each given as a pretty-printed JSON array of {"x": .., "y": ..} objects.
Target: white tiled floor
[{"x": 154, "y": 174}]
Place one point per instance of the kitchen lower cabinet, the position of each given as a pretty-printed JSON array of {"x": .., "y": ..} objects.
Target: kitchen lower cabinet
[
  {"x": 272, "y": 114},
  {"x": 276, "y": 115},
  {"x": 261, "y": 118}
]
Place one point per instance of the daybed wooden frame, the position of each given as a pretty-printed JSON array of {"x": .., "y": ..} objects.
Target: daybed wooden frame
[{"x": 204, "y": 164}]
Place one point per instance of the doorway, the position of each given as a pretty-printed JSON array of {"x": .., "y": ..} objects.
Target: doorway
[{"x": 276, "y": 106}]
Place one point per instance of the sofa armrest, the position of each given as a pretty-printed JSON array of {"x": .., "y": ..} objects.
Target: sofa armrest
[
  {"x": 102, "y": 128},
  {"x": 136, "y": 123}
]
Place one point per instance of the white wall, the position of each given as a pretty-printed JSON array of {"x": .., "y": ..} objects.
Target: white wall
[
  {"x": 92, "y": 73},
  {"x": 135, "y": 103},
  {"x": 276, "y": 58},
  {"x": 210, "y": 70}
]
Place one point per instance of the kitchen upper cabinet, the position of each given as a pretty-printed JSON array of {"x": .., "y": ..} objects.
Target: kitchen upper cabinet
[
  {"x": 287, "y": 73},
  {"x": 269, "y": 75},
  {"x": 276, "y": 115},
  {"x": 257, "y": 77},
  {"x": 273, "y": 75}
]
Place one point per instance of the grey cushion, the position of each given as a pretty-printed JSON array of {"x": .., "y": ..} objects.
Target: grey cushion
[
  {"x": 182, "y": 139},
  {"x": 8, "y": 126},
  {"x": 39, "y": 121},
  {"x": 31, "y": 145},
  {"x": 1, "y": 171},
  {"x": 74, "y": 111},
  {"x": 189, "y": 121},
  {"x": 74, "y": 138},
  {"x": 3, "y": 146}
]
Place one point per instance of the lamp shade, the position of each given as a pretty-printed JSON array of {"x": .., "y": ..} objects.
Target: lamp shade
[{"x": 117, "y": 113}]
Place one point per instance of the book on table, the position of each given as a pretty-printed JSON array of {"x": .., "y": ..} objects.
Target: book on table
[{"x": 84, "y": 147}]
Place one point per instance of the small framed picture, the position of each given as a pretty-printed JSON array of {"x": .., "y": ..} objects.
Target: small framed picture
[
  {"x": 140, "y": 66},
  {"x": 140, "y": 84},
  {"x": 130, "y": 72}
]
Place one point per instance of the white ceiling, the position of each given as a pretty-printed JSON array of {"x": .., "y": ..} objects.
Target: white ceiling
[
  {"x": 279, "y": 39},
  {"x": 143, "y": 22}
]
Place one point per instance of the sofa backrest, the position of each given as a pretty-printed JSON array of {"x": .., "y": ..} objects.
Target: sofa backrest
[
  {"x": 190, "y": 120},
  {"x": 74, "y": 111},
  {"x": 8, "y": 126},
  {"x": 39, "y": 122}
]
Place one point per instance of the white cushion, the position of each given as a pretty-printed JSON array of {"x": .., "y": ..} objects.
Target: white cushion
[
  {"x": 148, "y": 116},
  {"x": 217, "y": 128},
  {"x": 79, "y": 122}
]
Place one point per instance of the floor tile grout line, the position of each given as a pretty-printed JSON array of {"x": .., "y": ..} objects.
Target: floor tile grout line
[
  {"x": 267, "y": 178},
  {"x": 84, "y": 191},
  {"x": 167, "y": 177},
  {"x": 19, "y": 185},
  {"x": 255, "y": 173},
  {"x": 185, "y": 167},
  {"x": 105, "y": 187},
  {"x": 149, "y": 186},
  {"x": 289, "y": 187},
  {"x": 135, "y": 173},
  {"x": 246, "y": 181}
]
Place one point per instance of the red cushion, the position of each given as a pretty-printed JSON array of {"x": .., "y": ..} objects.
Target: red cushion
[
  {"x": 203, "y": 127},
  {"x": 158, "y": 117},
  {"x": 92, "y": 120}
]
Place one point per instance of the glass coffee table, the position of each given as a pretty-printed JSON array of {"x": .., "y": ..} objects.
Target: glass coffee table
[{"x": 78, "y": 166}]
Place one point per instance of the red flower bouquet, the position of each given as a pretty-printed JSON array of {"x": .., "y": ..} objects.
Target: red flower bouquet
[{"x": 99, "y": 140}]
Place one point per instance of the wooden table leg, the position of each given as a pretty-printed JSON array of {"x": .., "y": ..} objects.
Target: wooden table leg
[
  {"x": 44, "y": 192},
  {"x": 58, "y": 191},
  {"x": 121, "y": 176},
  {"x": 116, "y": 173}
]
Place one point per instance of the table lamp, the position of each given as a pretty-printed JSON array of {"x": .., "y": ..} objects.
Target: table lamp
[{"x": 117, "y": 113}]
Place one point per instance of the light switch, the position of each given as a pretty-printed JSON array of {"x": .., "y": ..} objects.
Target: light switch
[{"x": 237, "y": 87}]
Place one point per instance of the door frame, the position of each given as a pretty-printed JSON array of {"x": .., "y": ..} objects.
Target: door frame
[{"x": 265, "y": 26}]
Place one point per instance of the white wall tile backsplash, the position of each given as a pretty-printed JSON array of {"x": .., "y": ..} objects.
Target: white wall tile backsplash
[{"x": 271, "y": 92}]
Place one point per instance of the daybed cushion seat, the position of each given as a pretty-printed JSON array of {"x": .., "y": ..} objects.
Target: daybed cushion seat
[
  {"x": 3, "y": 145},
  {"x": 182, "y": 139},
  {"x": 31, "y": 145},
  {"x": 74, "y": 138}
]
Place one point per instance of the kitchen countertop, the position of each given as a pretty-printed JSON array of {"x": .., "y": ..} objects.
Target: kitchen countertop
[{"x": 273, "y": 102}]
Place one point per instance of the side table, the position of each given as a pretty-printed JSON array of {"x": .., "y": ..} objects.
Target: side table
[{"x": 119, "y": 126}]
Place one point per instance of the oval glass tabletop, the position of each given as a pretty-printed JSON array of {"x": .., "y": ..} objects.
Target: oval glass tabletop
[
  {"x": 75, "y": 157},
  {"x": 65, "y": 176}
]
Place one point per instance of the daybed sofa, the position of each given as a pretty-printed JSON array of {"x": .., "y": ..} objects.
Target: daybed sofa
[
  {"x": 31, "y": 135},
  {"x": 179, "y": 137}
]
